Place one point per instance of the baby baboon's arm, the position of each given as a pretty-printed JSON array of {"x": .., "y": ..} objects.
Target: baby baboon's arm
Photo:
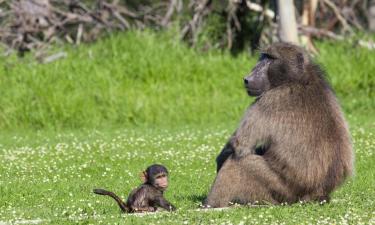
[{"x": 163, "y": 203}]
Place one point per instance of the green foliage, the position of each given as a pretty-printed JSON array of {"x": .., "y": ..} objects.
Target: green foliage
[
  {"x": 351, "y": 70},
  {"x": 211, "y": 35},
  {"x": 149, "y": 79}
]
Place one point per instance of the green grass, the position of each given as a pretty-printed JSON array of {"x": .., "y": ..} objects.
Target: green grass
[
  {"x": 146, "y": 79},
  {"x": 50, "y": 176},
  {"x": 110, "y": 109},
  {"x": 131, "y": 79}
]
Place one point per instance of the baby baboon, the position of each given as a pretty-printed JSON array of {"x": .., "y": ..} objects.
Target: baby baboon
[
  {"x": 293, "y": 143},
  {"x": 148, "y": 196}
]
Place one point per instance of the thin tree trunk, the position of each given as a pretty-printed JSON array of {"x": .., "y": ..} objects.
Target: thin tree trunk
[
  {"x": 287, "y": 21},
  {"x": 371, "y": 15},
  {"x": 308, "y": 20}
]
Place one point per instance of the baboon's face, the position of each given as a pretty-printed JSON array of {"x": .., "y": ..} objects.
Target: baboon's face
[
  {"x": 161, "y": 181},
  {"x": 279, "y": 64},
  {"x": 157, "y": 175},
  {"x": 257, "y": 82}
]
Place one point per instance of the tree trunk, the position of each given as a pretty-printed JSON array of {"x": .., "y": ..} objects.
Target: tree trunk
[
  {"x": 287, "y": 21},
  {"x": 371, "y": 15},
  {"x": 308, "y": 20}
]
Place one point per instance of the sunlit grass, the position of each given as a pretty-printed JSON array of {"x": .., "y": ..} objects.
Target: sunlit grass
[
  {"x": 148, "y": 79},
  {"x": 50, "y": 176}
]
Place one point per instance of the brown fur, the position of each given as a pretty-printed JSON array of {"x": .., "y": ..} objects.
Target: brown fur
[{"x": 292, "y": 144}]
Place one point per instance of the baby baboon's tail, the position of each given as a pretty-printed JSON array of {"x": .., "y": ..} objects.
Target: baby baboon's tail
[{"x": 121, "y": 203}]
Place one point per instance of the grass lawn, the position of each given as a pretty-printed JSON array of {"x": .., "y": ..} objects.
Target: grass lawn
[
  {"x": 99, "y": 117},
  {"x": 48, "y": 177}
]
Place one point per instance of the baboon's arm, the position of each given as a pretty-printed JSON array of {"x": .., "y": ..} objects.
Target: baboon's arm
[
  {"x": 163, "y": 203},
  {"x": 251, "y": 136},
  {"x": 227, "y": 151},
  {"x": 255, "y": 132}
]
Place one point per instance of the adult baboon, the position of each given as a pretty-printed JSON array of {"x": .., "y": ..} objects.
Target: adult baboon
[{"x": 293, "y": 143}]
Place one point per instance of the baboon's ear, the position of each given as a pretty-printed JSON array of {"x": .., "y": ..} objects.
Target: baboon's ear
[{"x": 143, "y": 176}]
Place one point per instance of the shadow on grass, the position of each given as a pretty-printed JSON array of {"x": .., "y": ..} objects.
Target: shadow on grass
[{"x": 193, "y": 198}]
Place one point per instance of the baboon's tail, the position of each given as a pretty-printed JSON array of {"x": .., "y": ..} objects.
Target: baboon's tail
[{"x": 120, "y": 203}]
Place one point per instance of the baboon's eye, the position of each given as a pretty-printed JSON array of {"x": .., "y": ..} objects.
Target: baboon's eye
[
  {"x": 264, "y": 56},
  {"x": 160, "y": 176}
]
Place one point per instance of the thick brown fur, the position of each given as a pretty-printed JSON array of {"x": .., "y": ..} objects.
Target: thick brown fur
[{"x": 292, "y": 144}]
